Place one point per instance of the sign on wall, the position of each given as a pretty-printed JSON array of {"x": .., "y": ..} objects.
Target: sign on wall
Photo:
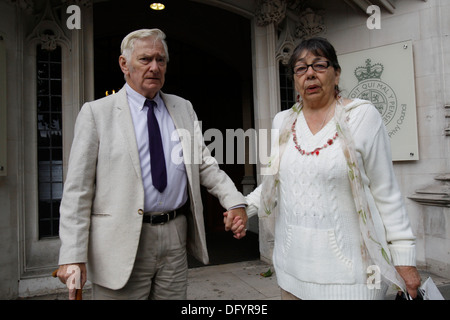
[{"x": 385, "y": 76}]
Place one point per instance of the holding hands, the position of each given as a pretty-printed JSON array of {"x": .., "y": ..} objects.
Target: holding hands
[{"x": 236, "y": 220}]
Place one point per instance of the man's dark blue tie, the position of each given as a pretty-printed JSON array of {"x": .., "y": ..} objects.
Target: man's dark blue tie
[{"x": 157, "y": 161}]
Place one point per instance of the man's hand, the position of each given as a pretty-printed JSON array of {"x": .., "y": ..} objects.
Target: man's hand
[
  {"x": 236, "y": 221},
  {"x": 74, "y": 276},
  {"x": 411, "y": 277}
]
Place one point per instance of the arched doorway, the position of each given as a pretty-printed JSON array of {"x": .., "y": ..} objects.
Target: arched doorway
[{"x": 210, "y": 65}]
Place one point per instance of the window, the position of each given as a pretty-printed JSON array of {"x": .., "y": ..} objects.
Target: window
[
  {"x": 49, "y": 139},
  {"x": 287, "y": 93}
]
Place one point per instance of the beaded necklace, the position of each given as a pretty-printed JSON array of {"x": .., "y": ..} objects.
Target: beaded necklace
[{"x": 316, "y": 150}]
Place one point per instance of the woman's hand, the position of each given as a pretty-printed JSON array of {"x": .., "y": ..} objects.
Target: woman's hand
[{"x": 411, "y": 277}]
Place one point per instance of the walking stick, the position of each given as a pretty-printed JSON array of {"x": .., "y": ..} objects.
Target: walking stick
[{"x": 78, "y": 292}]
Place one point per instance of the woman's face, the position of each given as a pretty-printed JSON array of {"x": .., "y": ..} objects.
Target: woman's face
[{"x": 318, "y": 85}]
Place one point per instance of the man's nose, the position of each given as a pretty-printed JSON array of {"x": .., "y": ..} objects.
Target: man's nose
[{"x": 153, "y": 66}]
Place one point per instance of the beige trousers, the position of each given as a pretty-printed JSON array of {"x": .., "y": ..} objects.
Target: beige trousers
[{"x": 160, "y": 268}]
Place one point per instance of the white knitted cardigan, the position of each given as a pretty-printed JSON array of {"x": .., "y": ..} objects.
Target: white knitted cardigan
[{"x": 376, "y": 249}]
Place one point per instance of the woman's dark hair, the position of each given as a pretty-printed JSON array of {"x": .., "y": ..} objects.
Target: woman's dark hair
[{"x": 318, "y": 46}]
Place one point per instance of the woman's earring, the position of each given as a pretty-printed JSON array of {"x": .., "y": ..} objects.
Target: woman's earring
[{"x": 337, "y": 92}]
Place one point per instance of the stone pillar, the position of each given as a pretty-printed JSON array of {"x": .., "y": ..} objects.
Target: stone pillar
[{"x": 266, "y": 92}]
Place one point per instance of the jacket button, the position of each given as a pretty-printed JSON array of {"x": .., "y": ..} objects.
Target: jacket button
[{"x": 141, "y": 212}]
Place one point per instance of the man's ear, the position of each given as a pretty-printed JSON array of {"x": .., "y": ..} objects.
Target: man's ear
[{"x": 123, "y": 65}]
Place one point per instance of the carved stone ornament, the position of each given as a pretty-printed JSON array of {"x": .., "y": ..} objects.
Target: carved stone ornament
[
  {"x": 309, "y": 24},
  {"x": 300, "y": 23},
  {"x": 48, "y": 32},
  {"x": 48, "y": 41},
  {"x": 270, "y": 11},
  {"x": 25, "y": 5},
  {"x": 286, "y": 43}
]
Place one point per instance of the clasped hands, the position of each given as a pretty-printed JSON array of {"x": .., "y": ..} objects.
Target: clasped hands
[{"x": 236, "y": 220}]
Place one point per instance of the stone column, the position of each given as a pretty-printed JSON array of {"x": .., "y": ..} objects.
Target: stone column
[{"x": 266, "y": 92}]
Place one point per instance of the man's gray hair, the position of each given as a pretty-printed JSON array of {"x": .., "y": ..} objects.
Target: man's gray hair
[{"x": 127, "y": 46}]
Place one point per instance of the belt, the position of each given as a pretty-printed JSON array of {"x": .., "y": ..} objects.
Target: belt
[
  {"x": 160, "y": 218},
  {"x": 164, "y": 217}
]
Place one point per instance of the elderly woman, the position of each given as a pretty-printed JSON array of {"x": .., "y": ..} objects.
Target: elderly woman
[{"x": 340, "y": 222}]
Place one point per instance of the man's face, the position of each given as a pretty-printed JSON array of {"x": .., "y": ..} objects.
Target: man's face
[{"x": 145, "y": 72}]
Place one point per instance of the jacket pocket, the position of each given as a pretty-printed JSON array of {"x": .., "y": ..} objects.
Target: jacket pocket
[
  {"x": 313, "y": 255},
  {"x": 100, "y": 215}
]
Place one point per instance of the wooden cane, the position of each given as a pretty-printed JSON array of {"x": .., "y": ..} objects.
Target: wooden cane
[{"x": 78, "y": 292}]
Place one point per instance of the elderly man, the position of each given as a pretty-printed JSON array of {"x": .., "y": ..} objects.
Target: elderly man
[{"x": 131, "y": 206}]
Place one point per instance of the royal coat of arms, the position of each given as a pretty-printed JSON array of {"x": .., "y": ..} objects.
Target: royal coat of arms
[{"x": 370, "y": 87}]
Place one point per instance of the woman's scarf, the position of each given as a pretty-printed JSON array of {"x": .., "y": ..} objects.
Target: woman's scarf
[{"x": 376, "y": 252}]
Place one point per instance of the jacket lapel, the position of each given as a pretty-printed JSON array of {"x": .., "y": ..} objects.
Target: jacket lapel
[
  {"x": 126, "y": 123},
  {"x": 180, "y": 120},
  {"x": 174, "y": 111}
]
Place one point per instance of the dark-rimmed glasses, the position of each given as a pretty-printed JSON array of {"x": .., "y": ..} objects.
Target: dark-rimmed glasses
[{"x": 318, "y": 66}]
